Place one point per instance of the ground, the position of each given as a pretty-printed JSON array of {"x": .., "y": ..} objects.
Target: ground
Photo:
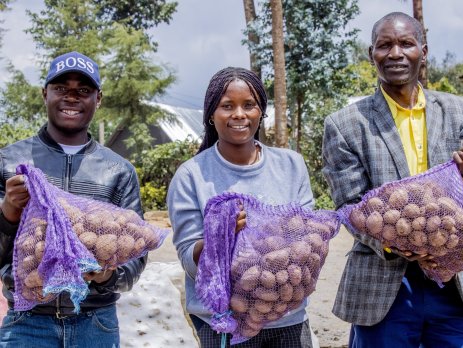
[{"x": 331, "y": 331}]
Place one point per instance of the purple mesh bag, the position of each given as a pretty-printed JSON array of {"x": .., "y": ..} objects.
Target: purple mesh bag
[
  {"x": 62, "y": 235},
  {"x": 258, "y": 275},
  {"x": 421, "y": 214}
]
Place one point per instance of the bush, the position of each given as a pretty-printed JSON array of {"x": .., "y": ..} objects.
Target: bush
[{"x": 157, "y": 167}]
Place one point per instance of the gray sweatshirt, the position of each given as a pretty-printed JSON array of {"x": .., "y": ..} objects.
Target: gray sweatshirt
[{"x": 280, "y": 177}]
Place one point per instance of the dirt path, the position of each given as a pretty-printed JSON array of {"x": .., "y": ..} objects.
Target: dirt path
[{"x": 331, "y": 331}]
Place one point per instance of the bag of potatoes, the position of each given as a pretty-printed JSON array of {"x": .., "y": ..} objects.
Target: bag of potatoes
[
  {"x": 422, "y": 214},
  {"x": 61, "y": 236},
  {"x": 256, "y": 276}
]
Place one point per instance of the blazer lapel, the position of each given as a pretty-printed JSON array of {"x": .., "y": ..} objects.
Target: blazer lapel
[
  {"x": 433, "y": 124},
  {"x": 387, "y": 129}
]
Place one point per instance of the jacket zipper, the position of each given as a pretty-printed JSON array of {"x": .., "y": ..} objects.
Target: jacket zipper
[{"x": 67, "y": 178}]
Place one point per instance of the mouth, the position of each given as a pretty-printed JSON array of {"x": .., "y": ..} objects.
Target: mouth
[
  {"x": 70, "y": 112},
  {"x": 238, "y": 127},
  {"x": 396, "y": 67}
]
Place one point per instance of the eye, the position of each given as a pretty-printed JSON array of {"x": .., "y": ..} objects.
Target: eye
[
  {"x": 60, "y": 89},
  {"x": 84, "y": 90},
  {"x": 249, "y": 106},
  {"x": 227, "y": 106}
]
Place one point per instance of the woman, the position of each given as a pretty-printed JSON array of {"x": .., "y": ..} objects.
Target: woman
[{"x": 231, "y": 158}]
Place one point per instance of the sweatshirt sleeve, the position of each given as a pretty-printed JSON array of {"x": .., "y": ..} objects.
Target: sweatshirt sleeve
[{"x": 186, "y": 217}]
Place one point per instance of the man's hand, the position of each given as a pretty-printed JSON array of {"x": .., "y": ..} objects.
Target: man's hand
[
  {"x": 16, "y": 198},
  {"x": 423, "y": 259},
  {"x": 98, "y": 277},
  {"x": 458, "y": 158},
  {"x": 240, "y": 219}
]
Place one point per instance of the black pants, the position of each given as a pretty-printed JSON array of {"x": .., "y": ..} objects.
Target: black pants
[{"x": 294, "y": 336}]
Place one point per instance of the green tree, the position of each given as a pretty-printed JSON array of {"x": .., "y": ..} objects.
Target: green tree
[
  {"x": 317, "y": 47},
  {"x": 446, "y": 76}
]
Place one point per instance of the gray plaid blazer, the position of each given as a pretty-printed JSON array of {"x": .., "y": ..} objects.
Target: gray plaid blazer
[{"x": 362, "y": 150}]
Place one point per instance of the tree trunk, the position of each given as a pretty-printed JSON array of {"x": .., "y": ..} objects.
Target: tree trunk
[
  {"x": 281, "y": 130},
  {"x": 250, "y": 15},
  {"x": 299, "y": 124},
  {"x": 418, "y": 15},
  {"x": 101, "y": 132}
]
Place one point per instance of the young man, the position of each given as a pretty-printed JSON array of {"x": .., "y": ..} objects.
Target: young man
[
  {"x": 73, "y": 161},
  {"x": 399, "y": 131}
]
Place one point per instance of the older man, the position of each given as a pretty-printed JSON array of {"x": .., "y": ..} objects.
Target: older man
[
  {"x": 399, "y": 131},
  {"x": 75, "y": 162}
]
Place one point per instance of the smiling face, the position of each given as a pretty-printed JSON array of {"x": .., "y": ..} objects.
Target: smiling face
[
  {"x": 397, "y": 53},
  {"x": 237, "y": 116},
  {"x": 71, "y": 101}
]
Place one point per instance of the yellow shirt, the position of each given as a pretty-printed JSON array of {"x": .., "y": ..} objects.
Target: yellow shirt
[{"x": 411, "y": 124}]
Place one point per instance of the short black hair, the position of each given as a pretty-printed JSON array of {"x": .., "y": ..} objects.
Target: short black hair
[
  {"x": 419, "y": 33},
  {"x": 217, "y": 88}
]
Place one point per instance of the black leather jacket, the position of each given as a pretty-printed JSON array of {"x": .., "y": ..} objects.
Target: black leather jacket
[{"x": 95, "y": 172}]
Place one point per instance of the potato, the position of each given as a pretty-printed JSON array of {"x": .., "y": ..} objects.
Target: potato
[
  {"x": 93, "y": 221},
  {"x": 419, "y": 223},
  {"x": 253, "y": 324},
  {"x": 358, "y": 219},
  {"x": 105, "y": 246},
  {"x": 448, "y": 222},
  {"x": 125, "y": 245},
  {"x": 273, "y": 243},
  {"x": 110, "y": 227},
  {"x": 316, "y": 242},
  {"x": 438, "y": 238},
  {"x": 255, "y": 315},
  {"x": 272, "y": 316},
  {"x": 280, "y": 307},
  {"x": 418, "y": 238},
  {"x": 439, "y": 251},
  {"x": 459, "y": 219},
  {"x": 314, "y": 261},
  {"x": 39, "y": 249},
  {"x": 263, "y": 306},
  {"x": 250, "y": 278},
  {"x": 267, "y": 279},
  {"x": 433, "y": 223},
  {"x": 33, "y": 279},
  {"x": 150, "y": 237},
  {"x": 78, "y": 228},
  {"x": 295, "y": 226},
  {"x": 403, "y": 227},
  {"x": 295, "y": 274},
  {"x": 398, "y": 198},
  {"x": 411, "y": 211},
  {"x": 319, "y": 228},
  {"x": 282, "y": 277},
  {"x": 298, "y": 293},
  {"x": 239, "y": 304},
  {"x": 265, "y": 294},
  {"x": 375, "y": 204},
  {"x": 28, "y": 263},
  {"x": 452, "y": 241},
  {"x": 28, "y": 245},
  {"x": 431, "y": 208},
  {"x": 277, "y": 259},
  {"x": 246, "y": 331},
  {"x": 447, "y": 205},
  {"x": 391, "y": 216},
  {"x": 300, "y": 251},
  {"x": 374, "y": 223},
  {"x": 138, "y": 247},
  {"x": 88, "y": 239},
  {"x": 286, "y": 292},
  {"x": 306, "y": 276},
  {"x": 389, "y": 232}
]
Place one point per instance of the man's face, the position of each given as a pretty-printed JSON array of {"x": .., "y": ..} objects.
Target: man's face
[
  {"x": 71, "y": 101},
  {"x": 397, "y": 54}
]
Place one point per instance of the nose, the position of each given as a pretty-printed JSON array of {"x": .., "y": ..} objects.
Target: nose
[
  {"x": 71, "y": 94},
  {"x": 396, "y": 52},
  {"x": 239, "y": 112}
]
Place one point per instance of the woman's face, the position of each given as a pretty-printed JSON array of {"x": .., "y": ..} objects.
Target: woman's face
[{"x": 237, "y": 116}]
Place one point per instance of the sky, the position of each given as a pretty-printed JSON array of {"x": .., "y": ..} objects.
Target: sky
[{"x": 205, "y": 36}]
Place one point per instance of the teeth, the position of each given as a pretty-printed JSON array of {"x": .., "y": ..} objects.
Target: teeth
[
  {"x": 71, "y": 112},
  {"x": 239, "y": 127}
]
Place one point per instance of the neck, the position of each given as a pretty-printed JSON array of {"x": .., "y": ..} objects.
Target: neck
[
  {"x": 243, "y": 154},
  {"x": 405, "y": 95},
  {"x": 80, "y": 138}
]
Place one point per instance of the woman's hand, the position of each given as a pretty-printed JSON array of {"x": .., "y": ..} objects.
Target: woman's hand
[
  {"x": 458, "y": 158},
  {"x": 423, "y": 259},
  {"x": 98, "y": 277}
]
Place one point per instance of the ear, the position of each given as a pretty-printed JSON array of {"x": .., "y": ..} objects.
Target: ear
[
  {"x": 424, "y": 49},
  {"x": 44, "y": 94},
  {"x": 99, "y": 97},
  {"x": 370, "y": 55}
]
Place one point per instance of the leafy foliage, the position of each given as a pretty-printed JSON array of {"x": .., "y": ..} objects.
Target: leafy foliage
[
  {"x": 317, "y": 47},
  {"x": 157, "y": 168},
  {"x": 446, "y": 76}
]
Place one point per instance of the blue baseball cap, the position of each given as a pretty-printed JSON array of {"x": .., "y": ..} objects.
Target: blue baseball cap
[{"x": 74, "y": 62}]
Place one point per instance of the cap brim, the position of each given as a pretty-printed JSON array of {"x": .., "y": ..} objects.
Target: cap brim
[{"x": 61, "y": 73}]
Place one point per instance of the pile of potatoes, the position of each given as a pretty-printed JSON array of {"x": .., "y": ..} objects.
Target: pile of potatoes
[
  {"x": 112, "y": 237},
  {"x": 272, "y": 273},
  {"x": 418, "y": 217}
]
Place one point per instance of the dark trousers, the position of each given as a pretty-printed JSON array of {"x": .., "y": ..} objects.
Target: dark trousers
[
  {"x": 423, "y": 315},
  {"x": 295, "y": 336}
]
